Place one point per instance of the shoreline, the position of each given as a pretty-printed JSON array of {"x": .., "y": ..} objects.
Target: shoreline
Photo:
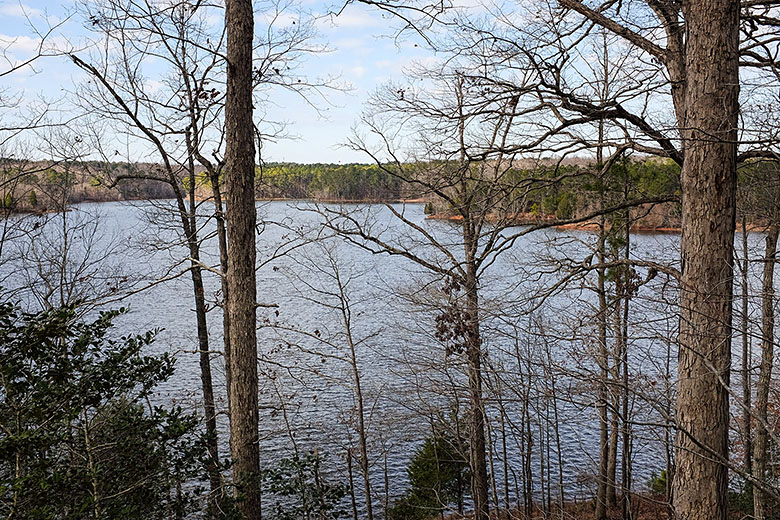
[{"x": 589, "y": 225}]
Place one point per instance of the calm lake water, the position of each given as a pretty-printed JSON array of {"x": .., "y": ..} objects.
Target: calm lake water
[{"x": 538, "y": 349}]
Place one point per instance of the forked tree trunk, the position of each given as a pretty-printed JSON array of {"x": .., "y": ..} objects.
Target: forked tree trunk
[
  {"x": 708, "y": 182},
  {"x": 241, "y": 218}
]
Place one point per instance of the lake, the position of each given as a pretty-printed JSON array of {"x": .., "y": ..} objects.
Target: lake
[{"x": 539, "y": 337}]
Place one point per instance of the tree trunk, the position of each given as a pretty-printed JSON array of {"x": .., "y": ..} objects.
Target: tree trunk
[
  {"x": 362, "y": 437},
  {"x": 708, "y": 182},
  {"x": 479, "y": 478},
  {"x": 603, "y": 362},
  {"x": 625, "y": 458},
  {"x": 615, "y": 422},
  {"x": 746, "y": 358},
  {"x": 223, "y": 264},
  {"x": 207, "y": 386},
  {"x": 765, "y": 371},
  {"x": 241, "y": 218},
  {"x": 352, "y": 500}
]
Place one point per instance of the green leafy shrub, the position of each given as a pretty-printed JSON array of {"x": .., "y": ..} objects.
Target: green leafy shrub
[{"x": 77, "y": 437}]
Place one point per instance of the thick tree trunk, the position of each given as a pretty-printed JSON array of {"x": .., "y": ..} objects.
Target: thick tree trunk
[
  {"x": 479, "y": 478},
  {"x": 708, "y": 183},
  {"x": 241, "y": 218},
  {"x": 765, "y": 371}
]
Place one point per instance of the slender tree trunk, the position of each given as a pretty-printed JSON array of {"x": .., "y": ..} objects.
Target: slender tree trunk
[
  {"x": 627, "y": 289},
  {"x": 528, "y": 474},
  {"x": 479, "y": 477},
  {"x": 491, "y": 457},
  {"x": 386, "y": 475},
  {"x": 352, "y": 500},
  {"x": 708, "y": 182},
  {"x": 746, "y": 358},
  {"x": 362, "y": 441},
  {"x": 241, "y": 218},
  {"x": 207, "y": 387},
  {"x": 504, "y": 451},
  {"x": 668, "y": 426},
  {"x": 219, "y": 213},
  {"x": 603, "y": 395},
  {"x": 615, "y": 422},
  {"x": 765, "y": 370}
]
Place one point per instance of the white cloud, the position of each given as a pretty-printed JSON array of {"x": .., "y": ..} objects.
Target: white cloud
[
  {"x": 358, "y": 72},
  {"x": 350, "y": 44},
  {"x": 19, "y": 10},
  {"x": 24, "y": 45},
  {"x": 16, "y": 49}
]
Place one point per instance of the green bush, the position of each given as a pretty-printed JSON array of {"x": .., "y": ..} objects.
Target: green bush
[
  {"x": 77, "y": 436},
  {"x": 438, "y": 476}
]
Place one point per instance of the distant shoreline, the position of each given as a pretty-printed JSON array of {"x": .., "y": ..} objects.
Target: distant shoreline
[{"x": 589, "y": 225}]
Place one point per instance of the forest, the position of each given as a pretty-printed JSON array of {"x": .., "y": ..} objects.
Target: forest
[{"x": 545, "y": 290}]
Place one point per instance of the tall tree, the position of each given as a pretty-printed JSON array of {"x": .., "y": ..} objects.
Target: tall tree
[
  {"x": 708, "y": 181},
  {"x": 694, "y": 61},
  {"x": 241, "y": 217}
]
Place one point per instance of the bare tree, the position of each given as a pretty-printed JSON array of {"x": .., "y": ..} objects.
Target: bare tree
[{"x": 177, "y": 34}]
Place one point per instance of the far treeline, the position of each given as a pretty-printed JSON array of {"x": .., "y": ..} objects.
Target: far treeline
[{"x": 559, "y": 191}]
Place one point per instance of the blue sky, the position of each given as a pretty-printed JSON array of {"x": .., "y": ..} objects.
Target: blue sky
[{"x": 362, "y": 54}]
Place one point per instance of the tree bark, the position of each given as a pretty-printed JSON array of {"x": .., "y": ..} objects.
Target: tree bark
[
  {"x": 479, "y": 478},
  {"x": 241, "y": 219},
  {"x": 207, "y": 386},
  {"x": 765, "y": 370},
  {"x": 708, "y": 182}
]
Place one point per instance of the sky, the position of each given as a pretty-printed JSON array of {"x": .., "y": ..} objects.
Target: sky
[{"x": 362, "y": 55}]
